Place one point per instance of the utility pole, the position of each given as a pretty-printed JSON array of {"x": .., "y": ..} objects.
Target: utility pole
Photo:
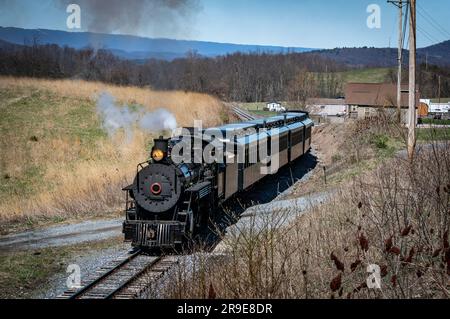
[
  {"x": 399, "y": 4},
  {"x": 412, "y": 81},
  {"x": 439, "y": 89}
]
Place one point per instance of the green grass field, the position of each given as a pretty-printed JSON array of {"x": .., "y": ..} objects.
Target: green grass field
[
  {"x": 436, "y": 122},
  {"x": 257, "y": 108},
  {"x": 374, "y": 75},
  {"x": 433, "y": 134},
  {"x": 442, "y": 100}
]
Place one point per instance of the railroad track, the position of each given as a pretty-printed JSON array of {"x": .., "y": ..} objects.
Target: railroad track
[
  {"x": 243, "y": 115},
  {"x": 129, "y": 277}
]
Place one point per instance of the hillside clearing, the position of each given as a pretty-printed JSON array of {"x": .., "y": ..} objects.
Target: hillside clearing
[{"x": 370, "y": 75}]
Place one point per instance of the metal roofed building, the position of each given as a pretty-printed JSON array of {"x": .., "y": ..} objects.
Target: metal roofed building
[{"x": 371, "y": 98}]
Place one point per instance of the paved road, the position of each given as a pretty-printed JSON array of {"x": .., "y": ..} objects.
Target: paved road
[{"x": 62, "y": 235}]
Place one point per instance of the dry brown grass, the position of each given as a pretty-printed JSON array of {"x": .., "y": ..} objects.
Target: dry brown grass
[
  {"x": 186, "y": 106},
  {"x": 57, "y": 162},
  {"x": 395, "y": 216}
]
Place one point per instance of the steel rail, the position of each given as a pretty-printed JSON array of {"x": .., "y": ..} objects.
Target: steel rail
[
  {"x": 98, "y": 280},
  {"x": 131, "y": 279}
]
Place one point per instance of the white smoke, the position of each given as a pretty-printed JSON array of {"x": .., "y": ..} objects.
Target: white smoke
[
  {"x": 121, "y": 117},
  {"x": 159, "y": 120}
]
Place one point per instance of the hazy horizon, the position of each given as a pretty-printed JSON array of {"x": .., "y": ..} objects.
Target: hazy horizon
[{"x": 288, "y": 23}]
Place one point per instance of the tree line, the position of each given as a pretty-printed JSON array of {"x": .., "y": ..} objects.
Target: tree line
[
  {"x": 236, "y": 77},
  {"x": 254, "y": 77}
]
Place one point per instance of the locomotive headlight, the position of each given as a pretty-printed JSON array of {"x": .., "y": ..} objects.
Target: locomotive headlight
[{"x": 157, "y": 155}]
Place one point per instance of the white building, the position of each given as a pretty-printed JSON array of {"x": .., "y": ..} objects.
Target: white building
[
  {"x": 275, "y": 107},
  {"x": 327, "y": 107},
  {"x": 436, "y": 107}
]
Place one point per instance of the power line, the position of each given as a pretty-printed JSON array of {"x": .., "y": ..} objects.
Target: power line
[
  {"x": 433, "y": 27},
  {"x": 405, "y": 28},
  {"x": 430, "y": 22},
  {"x": 428, "y": 35},
  {"x": 433, "y": 21}
]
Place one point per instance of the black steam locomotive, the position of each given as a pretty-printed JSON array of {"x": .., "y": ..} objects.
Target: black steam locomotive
[{"x": 171, "y": 201}]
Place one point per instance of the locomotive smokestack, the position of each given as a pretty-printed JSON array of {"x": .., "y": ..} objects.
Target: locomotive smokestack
[{"x": 162, "y": 144}]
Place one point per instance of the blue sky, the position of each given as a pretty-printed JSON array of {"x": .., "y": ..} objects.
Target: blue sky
[{"x": 305, "y": 23}]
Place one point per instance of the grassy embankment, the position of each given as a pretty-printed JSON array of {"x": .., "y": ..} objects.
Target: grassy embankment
[{"x": 56, "y": 161}]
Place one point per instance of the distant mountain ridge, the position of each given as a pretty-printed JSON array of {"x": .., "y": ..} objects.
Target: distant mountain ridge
[
  {"x": 438, "y": 54},
  {"x": 134, "y": 47},
  {"x": 140, "y": 49}
]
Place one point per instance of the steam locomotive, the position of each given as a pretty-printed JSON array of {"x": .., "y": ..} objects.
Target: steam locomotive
[{"x": 170, "y": 201}]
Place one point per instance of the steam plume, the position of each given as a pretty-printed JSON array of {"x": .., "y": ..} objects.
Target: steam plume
[{"x": 117, "y": 117}]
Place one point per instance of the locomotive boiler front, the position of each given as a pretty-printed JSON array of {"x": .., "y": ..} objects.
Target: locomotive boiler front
[{"x": 158, "y": 187}]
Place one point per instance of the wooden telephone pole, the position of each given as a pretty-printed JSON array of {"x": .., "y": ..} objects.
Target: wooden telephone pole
[
  {"x": 399, "y": 4},
  {"x": 412, "y": 81}
]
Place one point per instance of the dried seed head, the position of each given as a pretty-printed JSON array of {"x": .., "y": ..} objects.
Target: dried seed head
[
  {"x": 388, "y": 244},
  {"x": 405, "y": 232},
  {"x": 394, "y": 280},
  {"x": 363, "y": 242},
  {"x": 383, "y": 271},
  {"x": 445, "y": 240},
  {"x": 211, "y": 292},
  {"x": 336, "y": 282},
  {"x": 395, "y": 250},
  {"x": 339, "y": 265},
  {"x": 355, "y": 265},
  {"x": 408, "y": 259}
]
